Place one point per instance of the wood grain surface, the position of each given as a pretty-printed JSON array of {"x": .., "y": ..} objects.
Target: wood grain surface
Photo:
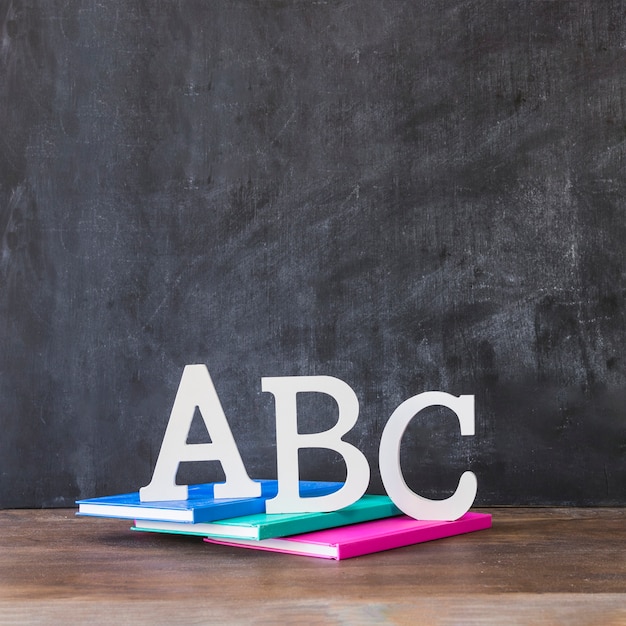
[{"x": 539, "y": 566}]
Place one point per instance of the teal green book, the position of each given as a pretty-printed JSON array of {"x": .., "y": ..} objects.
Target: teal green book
[{"x": 270, "y": 525}]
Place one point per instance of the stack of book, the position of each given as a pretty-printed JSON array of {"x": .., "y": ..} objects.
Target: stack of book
[{"x": 371, "y": 524}]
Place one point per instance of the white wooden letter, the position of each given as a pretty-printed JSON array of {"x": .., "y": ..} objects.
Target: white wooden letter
[
  {"x": 289, "y": 441},
  {"x": 389, "y": 459},
  {"x": 196, "y": 389}
]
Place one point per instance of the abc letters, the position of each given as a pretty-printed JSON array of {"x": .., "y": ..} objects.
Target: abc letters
[{"x": 196, "y": 389}]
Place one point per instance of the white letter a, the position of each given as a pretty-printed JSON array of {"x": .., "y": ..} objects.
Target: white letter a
[{"x": 196, "y": 389}]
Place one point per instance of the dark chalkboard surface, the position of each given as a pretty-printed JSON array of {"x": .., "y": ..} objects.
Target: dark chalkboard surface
[{"x": 407, "y": 195}]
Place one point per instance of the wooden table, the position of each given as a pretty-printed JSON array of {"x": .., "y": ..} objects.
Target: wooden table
[{"x": 535, "y": 566}]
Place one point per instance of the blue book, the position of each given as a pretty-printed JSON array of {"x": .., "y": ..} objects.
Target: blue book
[{"x": 200, "y": 506}]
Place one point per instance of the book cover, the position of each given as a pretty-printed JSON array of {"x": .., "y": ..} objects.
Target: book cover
[
  {"x": 266, "y": 525},
  {"x": 201, "y": 505},
  {"x": 364, "y": 538}
]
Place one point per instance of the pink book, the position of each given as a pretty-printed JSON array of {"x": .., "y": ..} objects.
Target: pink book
[{"x": 364, "y": 538}]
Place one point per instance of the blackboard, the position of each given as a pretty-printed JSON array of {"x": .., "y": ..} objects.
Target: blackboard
[{"x": 407, "y": 195}]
